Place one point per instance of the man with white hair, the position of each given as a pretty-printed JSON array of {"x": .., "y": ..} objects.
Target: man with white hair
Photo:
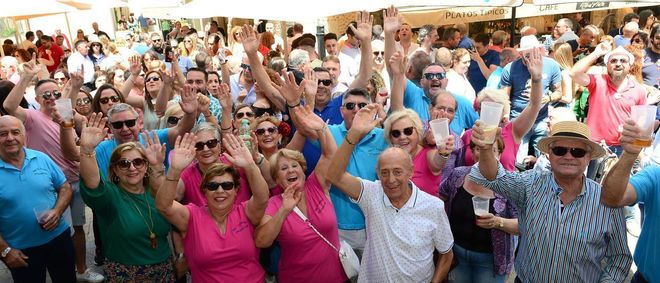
[
  {"x": 242, "y": 84},
  {"x": 79, "y": 59},
  {"x": 564, "y": 28},
  {"x": 270, "y": 27},
  {"x": 629, "y": 30},
  {"x": 9, "y": 67},
  {"x": 426, "y": 36}
]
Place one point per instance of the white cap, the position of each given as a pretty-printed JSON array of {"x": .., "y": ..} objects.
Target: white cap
[
  {"x": 529, "y": 42},
  {"x": 620, "y": 51}
]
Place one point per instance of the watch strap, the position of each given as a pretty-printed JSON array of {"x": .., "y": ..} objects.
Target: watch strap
[{"x": 5, "y": 252}]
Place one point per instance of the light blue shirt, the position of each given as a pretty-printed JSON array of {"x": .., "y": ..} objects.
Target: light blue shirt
[
  {"x": 495, "y": 78},
  {"x": 21, "y": 191},
  {"x": 105, "y": 148},
  {"x": 234, "y": 83},
  {"x": 647, "y": 251}
]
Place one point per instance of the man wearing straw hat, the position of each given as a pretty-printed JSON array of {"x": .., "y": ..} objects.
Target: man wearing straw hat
[{"x": 566, "y": 233}]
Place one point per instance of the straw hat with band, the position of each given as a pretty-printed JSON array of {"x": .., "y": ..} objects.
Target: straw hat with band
[{"x": 571, "y": 130}]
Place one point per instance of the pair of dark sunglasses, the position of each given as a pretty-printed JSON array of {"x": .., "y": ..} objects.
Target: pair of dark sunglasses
[
  {"x": 258, "y": 112},
  {"x": 325, "y": 82},
  {"x": 199, "y": 146},
  {"x": 246, "y": 67},
  {"x": 376, "y": 53},
  {"x": 173, "y": 120},
  {"x": 118, "y": 125},
  {"x": 82, "y": 101},
  {"x": 351, "y": 105},
  {"x": 438, "y": 76},
  {"x": 407, "y": 131},
  {"x": 576, "y": 152},
  {"x": 214, "y": 186},
  {"x": 154, "y": 79},
  {"x": 105, "y": 100},
  {"x": 50, "y": 95},
  {"x": 125, "y": 164},
  {"x": 240, "y": 115},
  {"x": 271, "y": 130}
]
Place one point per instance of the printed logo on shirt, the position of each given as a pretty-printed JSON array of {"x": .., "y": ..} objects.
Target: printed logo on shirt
[{"x": 242, "y": 225}]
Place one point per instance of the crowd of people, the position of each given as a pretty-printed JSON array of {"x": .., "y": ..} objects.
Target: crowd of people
[{"x": 248, "y": 157}]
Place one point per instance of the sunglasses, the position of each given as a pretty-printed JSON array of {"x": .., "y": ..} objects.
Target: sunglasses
[
  {"x": 381, "y": 53},
  {"x": 60, "y": 79},
  {"x": 246, "y": 67},
  {"x": 258, "y": 112},
  {"x": 105, "y": 100},
  {"x": 209, "y": 143},
  {"x": 118, "y": 125},
  {"x": 351, "y": 105},
  {"x": 325, "y": 82},
  {"x": 156, "y": 40},
  {"x": 173, "y": 120},
  {"x": 615, "y": 60},
  {"x": 438, "y": 76},
  {"x": 48, "y": 95},
  {"x": 576, "y": 152},
  {"x": 125, "y": 164},
  {"x": 214, "y": 186},
  {"x": 271, "y": 130},
  {"x": 82, "y": 101},
  {"x": 152, "y": 79},
  {"x": 240, "y": 115},
  {"x": 397, "y": 133}
]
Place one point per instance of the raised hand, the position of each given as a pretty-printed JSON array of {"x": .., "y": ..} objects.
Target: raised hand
[
  {"x": 184, "y": 152},
  {"x": 534, "y": 62},
  {"x": 310, "y": 83},
  {"x": 203, "y": 103},
  {"x": 365, "y": 120},
  {"x": 391, "y": 23},
  {"x": 448, "y": 146},
  {"x": 30, "y": 68},
  {"x": 478, "y": 135},
  {"x": 56, "y": 117},
  {"x": 76, "y": 79},
  {"x": 363, "y": 31},
  {"x": 289, "y": 89},
  {"x": 237, "y": 153},
  {"x": 224, "y": 97},
  {"x": 135, "y": 65},
  {"x": 167, "y": 77},
  {"x": 93, "y": 133},
  {"x": 630, "y": 133},
  {"x": 154, "y": 150},
  {"x": 399, "y": 63},
  {"x": 249, "y": 39},
  {"x": 603, "y": 48},
  {"x": 291, "y": 197},
  {"x": 308, "y": 119},
  {"x": 189, "y": 99}
]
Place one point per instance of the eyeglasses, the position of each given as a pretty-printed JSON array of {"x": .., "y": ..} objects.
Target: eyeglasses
[
  {"x": 187, "y": 41},
  {"x": 246, "y": 67},
  {"x": 48, "y": 95},
  {"x": 240, "y": 115},
  {"x": 118, "y": 125},
  {"x": 82, "y": 101},
  {"x": 445, "y": 109},
  {"x": 351, "y": 105},
  {"x": 156, "y": 40},
  {"x": 381, "y": 53},
  {"x": 173, "y": 120},
  {"x": 152, "y": 79},
  {"x": 60, "y": 79},
  {"x": 258, "y": 112},
  {"x": 438, "y": 76},
  {"x": 125, "y": 164},
  {"x": 397, "y": 133},
  {"x": 576, "y": 152},
  {"x": 105, "y": 100},
  {"x": 209, "y": 143},
  {"x": 214, "y": 186},
  {"x": 325, "y": 82},
  {"x": 617, "y": 60},
  {"x": 271, "y": 130}
]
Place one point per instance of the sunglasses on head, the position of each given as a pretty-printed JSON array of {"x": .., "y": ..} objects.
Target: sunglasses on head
[
  {"x": 431, "y": 76},
  {"x": 270, "y": 130},
  {"x": 576, "y": 152},
  {"x": 397, "y": 133},
  {"x": 214, "y": 186},
  {"x": 617, "y": 60},
  {"x": 173, "y": 120},
  {"x": 152, "y": 79},
  {"x": 54, "y": 94},
  {"x": 246, "y": 67},
  {"x": 125, "y": 164},
  {"x": 209, "y": 143},
  {"x": 240, "y": 115},
  {"x": 118, "y": 125},
  {"x": 325, "y": 82},
  {"x": 105, "y": 100},
  {"x": 82, "y": 101},
  {"x": 351, "y": 105}
]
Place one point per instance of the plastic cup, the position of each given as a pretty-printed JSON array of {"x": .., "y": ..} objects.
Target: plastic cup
[
  {"x": 644, "y": 116},
  {"x": 41, "y": 212},
  {"x": 440, "y": 129},
  {"x": 490, "y": 116},
  {"x": 66, "y": 111},
  {"x": 480, "y": 206}
]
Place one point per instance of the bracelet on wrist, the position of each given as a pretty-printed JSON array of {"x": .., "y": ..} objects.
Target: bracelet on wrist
[
  {"x": 261, "y": 160},
  {"x": 444, "y": 157},
  {"x": 167, "y": 178},
  {"x": 348, "y": 141},
  {"x": 293, "y": 106},
  {"x": 88, "y": 154}
]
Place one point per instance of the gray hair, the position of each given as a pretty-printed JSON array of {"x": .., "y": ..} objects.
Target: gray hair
[
  {"x": 423, "y": 32},
  {"x": 298, "y": 57},
  {"x": 567, "y": 22},
  {"x": 277, "y": 64},
  {"x": 120, "y": 107},
  {"x": 206, "y": 127}
]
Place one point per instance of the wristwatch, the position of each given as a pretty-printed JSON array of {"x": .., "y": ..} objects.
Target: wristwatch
[{"x": 5, "y": 252}]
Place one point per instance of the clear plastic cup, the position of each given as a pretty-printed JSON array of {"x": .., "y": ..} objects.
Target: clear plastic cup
[
  {"x": 480, "y": 206},
  {"x": 440, "y": 130},
  {"x": 41, "y": 213},
  {"x": 490, "y": 116},
  {"x": 65, "y": 109},
  {"x": 644, "y": 116}
]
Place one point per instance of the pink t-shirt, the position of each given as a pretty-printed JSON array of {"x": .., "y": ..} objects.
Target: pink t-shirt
[
  {"x": 43, "y": 134},
  {"x": 305, "y": 256},
  {"x": 192, "y": 179},
  {"x": 423, "y": 177},
  {"x": 214, "y": 257},
  {"x": 507, "y": 158},
  {"x": 608, "y": 108}
]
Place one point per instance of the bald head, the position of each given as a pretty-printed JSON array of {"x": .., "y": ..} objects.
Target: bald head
[
  {"x": 12, "y": 137},
  {"x": 11, "y": 120},
  {"x": 395, "y": 156}
]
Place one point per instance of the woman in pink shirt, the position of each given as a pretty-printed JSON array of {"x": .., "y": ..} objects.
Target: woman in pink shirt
[
  {"x": 306, "y": 257},
  {"x": 217, "y": 238}
]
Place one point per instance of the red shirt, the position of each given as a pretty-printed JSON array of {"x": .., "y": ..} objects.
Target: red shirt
[{"x": 57, "y": 54}]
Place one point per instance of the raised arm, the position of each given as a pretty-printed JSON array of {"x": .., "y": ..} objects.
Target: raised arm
[
  {"x": 182, "y": 155},
  {"x": 92, "y": 134},
  {"x": 363, "y": 123},
  {"x": 189, "y": 106},
  {"x": 314, "y": 123},
  {"x": 68, "y": 136},
  {"x": 227, "y": 104},
  {"x": 270, "y": 226},
  {"x": 397, "y": 67},
  {"x": 488, "y": 164},
  {"x": 155, "y": 151},
  {"x": 391, "y": 25},
  {"x": 485, "y": 70},
  {"x": 239, "y": 155},
  {"x": 579, "y": 70},
  {"x": 251, "y": 45},
  {"x": 363, "y": 33},
  {"x": 523, "y": 123},
  {"x": 13, "y": 100},
  {"x": 135, "y": 67},
  {"x": 164, "y": 93},
  {"x": 617, "y": 192}
]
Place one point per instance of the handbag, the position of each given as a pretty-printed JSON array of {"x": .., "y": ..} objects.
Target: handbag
[{"x": 349, "y": 260}]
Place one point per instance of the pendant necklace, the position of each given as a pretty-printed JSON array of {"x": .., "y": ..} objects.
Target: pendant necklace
[{"x": 152, "y": 236}]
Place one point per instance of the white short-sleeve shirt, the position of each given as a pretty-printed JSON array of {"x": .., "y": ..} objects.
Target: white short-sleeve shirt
[{"x": 400, "y": 242}]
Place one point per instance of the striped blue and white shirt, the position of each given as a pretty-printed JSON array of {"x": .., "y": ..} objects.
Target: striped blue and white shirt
[{"x": 582, "y": 241}]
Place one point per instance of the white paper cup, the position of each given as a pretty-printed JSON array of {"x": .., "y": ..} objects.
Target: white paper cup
[
  {"x": 490, "y": 116},
  {"x": 66, "y": 110},
  {"x": 644, "y": 116},
  {"x": 480, "y": 206},
  {"x": 440, "y": 130}
]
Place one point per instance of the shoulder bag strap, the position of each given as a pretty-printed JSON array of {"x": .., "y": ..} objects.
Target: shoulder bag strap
[{"x": 304, "y": 218}]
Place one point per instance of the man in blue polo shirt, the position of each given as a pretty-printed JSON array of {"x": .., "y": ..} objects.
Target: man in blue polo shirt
[
  {"x": 33, "y": 195},
  {"x": 484, "y": 62}
]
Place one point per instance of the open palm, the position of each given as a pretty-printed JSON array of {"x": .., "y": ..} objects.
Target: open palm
[
  {"x": 94, "y": 132},
  {"x": 184, "y": 152},
  {"x": 237, "y": 153}
]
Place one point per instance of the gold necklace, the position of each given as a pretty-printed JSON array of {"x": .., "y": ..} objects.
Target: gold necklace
[{"x": 152, "y": 235}]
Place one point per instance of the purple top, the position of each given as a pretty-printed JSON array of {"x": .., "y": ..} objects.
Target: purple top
[{"x": 503, "y": 242}]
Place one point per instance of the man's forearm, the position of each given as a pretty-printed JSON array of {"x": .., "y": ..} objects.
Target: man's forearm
[
  {"x": 616, "y": 181},
  {"x": 442, "y": 267},
  {"x": 64, "y": 195}
]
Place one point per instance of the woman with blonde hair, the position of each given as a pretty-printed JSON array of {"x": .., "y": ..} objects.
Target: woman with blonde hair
[
  {"x": 235, "y": 40},
  {"x": 266, "y": 129},
  {"x": 564, "y": 56},
  {"x": 457, "y": 81}
]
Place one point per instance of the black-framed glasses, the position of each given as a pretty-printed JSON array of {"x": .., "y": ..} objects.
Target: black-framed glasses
[
  {"x": 617, "y": 60},
  {"x": 575, "y": 152},
  {"x": 258, "y": 112},
  {"x": 214, "y": 186},
  {"x": 118, "y": 125},
  {"x": 351, "y": 105},
  {"x": 325, "y": 82},
  {"x": 209, "y": 143},
  {"x": 51, "y": 94},
  {"x": 105, "y": 100},
  {"x": 156, "y": 40},
  {"x": 240, "y": 115},
  {"x": 83, "y": 101},
  {"x": 125, "y": 164},
  {"x": 438, "y": 76},
  {"x": 271, "y": 130},
  {"x": 246, "y": 67},
  {"x": 172, "y": 120},
  {"x": 381, "y": 53},
  {"x": 150, "y": 79},
  {"x": 406, "y": 131}
]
